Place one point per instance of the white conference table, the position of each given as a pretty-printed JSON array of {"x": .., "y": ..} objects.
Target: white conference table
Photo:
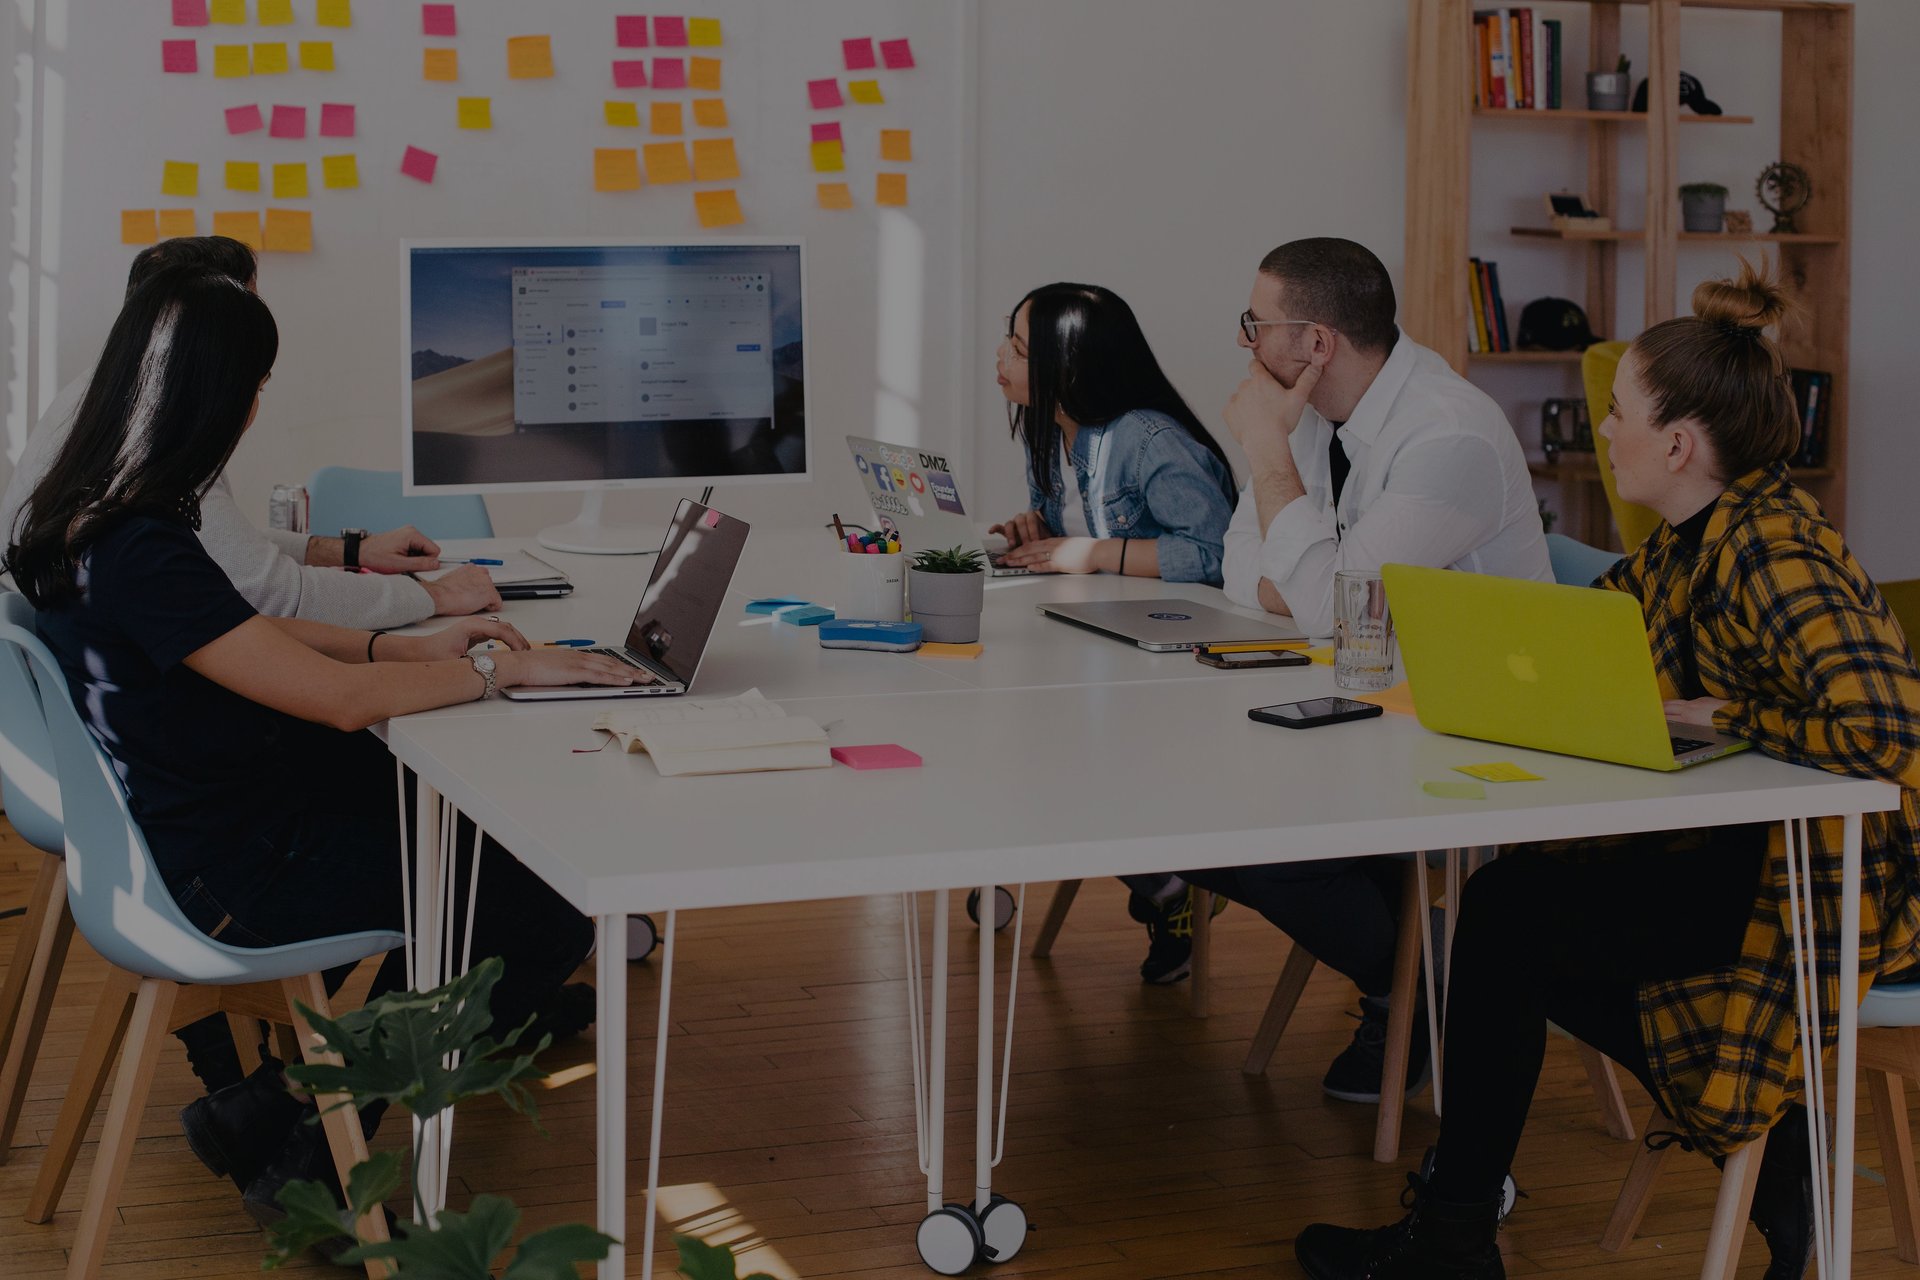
[{"x": 1098, "y": 758}]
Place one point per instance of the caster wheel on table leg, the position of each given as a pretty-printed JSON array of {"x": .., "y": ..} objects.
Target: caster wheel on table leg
[
  {"x": 949, "y": 1239},
  {"x": 1002, "y": 907},
  {"x": 642, "y": 937},
  {"x": 1004, "y": 1229}
]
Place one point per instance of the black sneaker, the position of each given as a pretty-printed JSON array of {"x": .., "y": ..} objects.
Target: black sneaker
[
  {"x": 1783, "y": 1197},
  {"x": 1169, "y": 934},
  {"x": 236, "y": 1131},
  {"x": 1355, "y": 1074}
]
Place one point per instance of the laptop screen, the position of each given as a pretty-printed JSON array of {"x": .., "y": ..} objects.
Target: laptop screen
[{"x": 688, "y": 586}]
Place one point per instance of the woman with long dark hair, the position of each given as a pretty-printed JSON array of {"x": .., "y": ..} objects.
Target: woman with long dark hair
[{"x": 1121, "y": 475}]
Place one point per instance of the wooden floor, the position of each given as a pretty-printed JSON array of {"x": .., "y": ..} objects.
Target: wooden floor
[{"x": 1134, "y": 1143}]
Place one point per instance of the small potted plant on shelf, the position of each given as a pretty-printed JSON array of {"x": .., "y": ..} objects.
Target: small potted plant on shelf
[
  {"x": 1610, "y": 90},
  {"x": 1701, "y": 206},
  {"x": 946, "y": 591}
]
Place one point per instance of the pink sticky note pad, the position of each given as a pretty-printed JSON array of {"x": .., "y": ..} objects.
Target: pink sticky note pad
[
  {"x": 189, "y": 13},
  {"x": 288, "y": 122},
  {"x": 630, "y": 31},
  {"x": 337, "y": 120},
  {"x": 419, "y": 164},
  {"x": 859, "y": 54},
  {"x": 670, "y": 33},
  {"x": 711, "y": 519},
  {"x": 829, "y": 131},
  {"x": 669, "y": 73},
  {"x": 883, "y": 756},
  {"x": 824, "y": 94},
  {"x": 630, "y": 74},
  {"x": 438, "y": 20},
  {"x": 245, "y": 119},
  {"x": 182, "y": 57},
  {"x": 897, "y": 54}
]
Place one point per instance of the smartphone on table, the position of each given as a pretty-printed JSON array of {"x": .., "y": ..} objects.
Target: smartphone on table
[
  {"x": 1314, "y": 712},
  {"x": 1249, "y": 659}
]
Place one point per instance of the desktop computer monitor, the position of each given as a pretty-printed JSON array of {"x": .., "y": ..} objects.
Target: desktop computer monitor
[{"x": 605, "y": 364}]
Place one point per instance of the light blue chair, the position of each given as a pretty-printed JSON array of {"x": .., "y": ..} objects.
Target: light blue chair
[
  {"x": 350, "y": 498},
  {"x": 164, "y": 972},
  {"x": 1575, "y": 564}
]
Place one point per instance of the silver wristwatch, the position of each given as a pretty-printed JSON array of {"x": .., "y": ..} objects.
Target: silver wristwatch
[{"x": 484, "y": 665}]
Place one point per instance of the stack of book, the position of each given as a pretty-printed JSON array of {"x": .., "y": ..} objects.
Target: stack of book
[
  {"x": 1488, "y": 331},
  {"x": 1519, "y": 60},
  {"x": 1812, "y": 396}
]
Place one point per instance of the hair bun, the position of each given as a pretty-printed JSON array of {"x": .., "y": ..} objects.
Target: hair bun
[{"x": 1754, "y": 301}]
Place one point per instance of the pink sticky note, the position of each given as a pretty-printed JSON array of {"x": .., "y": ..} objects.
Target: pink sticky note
[
  {"x": 630, "y": 31},
  {"x": 669, "y": 73},
  {"x": 245, "y": 119},
  {"x": 824, "y": 94},
  {"x": 438, "y": 20},
  {"x": 859, "y": 53},
  {"x": 670, "y": 33},
  {"x": 711, "y": 519},
  {"x": 337, "y": 120},
  {"x": 897, "y": 54},
  {"x": 179, "y": 56},
  {"x": 288, "y": 122},
  {"x": 419, "y": 164},
  {"x": 189, "y": 13},
  {"x": 886, "y": 755},
  {"x": 828, "y": 132},
  {"x": 630, "y": 74}
]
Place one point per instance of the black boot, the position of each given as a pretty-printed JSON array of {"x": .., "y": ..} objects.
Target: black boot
[
  {"x": 236, "y": 1130},
  {"x": 304, "y": 1157},
  {"x": 1437, "y": 1240},
  {"x": 1783, "y": 1197}
]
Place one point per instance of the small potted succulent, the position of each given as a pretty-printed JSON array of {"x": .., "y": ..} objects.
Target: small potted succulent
[
  {"x": 1701, "y": 206},
  {"x": 946, "y": 591},
  {"x": 1610, "y": 90}
]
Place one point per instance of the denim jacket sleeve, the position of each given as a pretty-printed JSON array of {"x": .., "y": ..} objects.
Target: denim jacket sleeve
[{"x": 1185, "y": 490}]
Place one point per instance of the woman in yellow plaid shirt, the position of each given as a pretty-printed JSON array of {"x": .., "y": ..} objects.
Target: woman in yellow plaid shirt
[{"x": 1672, "y": 953}]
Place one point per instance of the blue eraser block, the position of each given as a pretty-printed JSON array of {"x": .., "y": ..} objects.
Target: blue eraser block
[
  {"x": 886, "y": 637},
  {"x": 803, "y": 615},
  {"x": 773, "y": 604}
]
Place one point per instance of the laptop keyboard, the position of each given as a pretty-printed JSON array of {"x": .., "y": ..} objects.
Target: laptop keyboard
[
  {"x": 621, "y": 655},
  {"x": 1681, "y": 746}
]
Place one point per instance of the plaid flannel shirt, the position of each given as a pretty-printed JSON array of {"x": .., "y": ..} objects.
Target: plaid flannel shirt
[{"x": 1787, "y": 628}]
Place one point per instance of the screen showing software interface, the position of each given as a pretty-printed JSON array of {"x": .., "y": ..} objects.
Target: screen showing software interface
[{"x": 621, "y": 363}]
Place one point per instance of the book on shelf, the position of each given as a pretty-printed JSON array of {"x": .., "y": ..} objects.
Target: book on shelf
[
  {"x": 1487, "y": 332},
  {"x": 1812, "y": 401},
  {"x": 1499, "y": 307},
  {"x": 1476, "y": 314},
  {"x": 1519, "y": 60}
]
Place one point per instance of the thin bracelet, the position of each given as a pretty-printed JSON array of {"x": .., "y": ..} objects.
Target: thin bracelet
[
  {"x": 1123, "y": 557},
  {"x": 371, "y": 637}
]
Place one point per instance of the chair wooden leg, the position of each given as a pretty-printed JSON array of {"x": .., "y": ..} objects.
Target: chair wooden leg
[
  {"x": 1405, "y": 995},
  {"x": 1889, "y": 1094},
  {"x": 90, "y": 1073},
  {"x": 338, "y": 1116},
  {"x": 1606, "y": 1091},
  {"x": 1730, "y": 1211},
  {"x": 1201, "y": 972},
  {"x": 1636, "y": 1193},
  {"x": 1286, "y": 997},
  {"x": 246, "y": 1034},
  {"x": 146, "y": 1033},
  {"x": 286, "y": 1045},
  {"x": 24, "y": 1006},
  {"x": 1063, "y": 895}
]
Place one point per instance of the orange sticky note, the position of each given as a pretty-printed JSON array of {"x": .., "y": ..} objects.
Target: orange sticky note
[
  {"x": 333, "y": 13},
  {"x": 232, "y": 12},
  {"x": 269, "y": 59},
  {"x": 710, "y": 113},
  {"x": 667, "y": 162},
  {"x": 315, "y": 55},
  {"x": 180, "y": 178},
  {"x": 276, "y": 13},
  {"x": 890, "y": 189},
  {"x": 177, "y": 222},
  {"x": 829, "y": 157},
  {"x": 835, "y": 195},
  {"x": 290, "y": 181},
  {"x": 243, "y": 175},
  {"x": 718, "y": 208},
  {"x": 624, "y": 115},
  {"x": 665, "y": 118},
  {"x": 340, "y": 173},
  {"x": 476, "y": 113},
  {"x": 440, "y": 64},
  {"x": 289, "y": 231},
  {"x": 243, "y": 226},
  {"x": 616, "y": 169},
  {"x": 867, "y": 91},
  {"x": 896, "y": 145},
  {"x": 703, "y": 33},
  {"x": 138, "y": 226},
  {"x": 529, "y": 57},
  {"x": 703, "y": 73},
  {"x": 714, "y": 160},
  {"x": 230, "y": 61}
]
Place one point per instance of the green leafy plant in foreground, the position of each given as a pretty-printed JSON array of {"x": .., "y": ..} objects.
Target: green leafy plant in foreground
[{"x": 954, "y": 560}]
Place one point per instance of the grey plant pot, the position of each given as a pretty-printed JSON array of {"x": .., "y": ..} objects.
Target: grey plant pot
[
  {"x": 947, "y": 605},
  {"x": 1608, "y": 91},
  {"x": 1702, "y": 212}
]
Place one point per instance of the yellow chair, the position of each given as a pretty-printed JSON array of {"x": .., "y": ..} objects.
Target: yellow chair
[
  {"x": 1597, "y": 366},
  {"x": 1904, "y": 599}
]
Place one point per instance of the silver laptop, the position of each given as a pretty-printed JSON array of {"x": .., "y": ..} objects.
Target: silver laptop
[
  {"x": 1168, "y": 626},
  {"x": 682, "y": 601},
  {"x": 914, "y": 493}
]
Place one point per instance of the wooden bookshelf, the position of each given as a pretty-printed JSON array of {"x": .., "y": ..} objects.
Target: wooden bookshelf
[{"x": 1815, "y": 49}]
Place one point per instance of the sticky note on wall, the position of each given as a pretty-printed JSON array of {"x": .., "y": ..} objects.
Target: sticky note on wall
[
  {"x": 177, "y": 222},
  {"x": 288, "y": 122},
  {"x": 245, "y": 119},
  {"x": 629, "y": 73},
  {"x": 180, "y": 178},
  {"x": 316, "y": 55},
  {"x": 670, "y": 33},
  {"x": 189, "y": 13},
  {"x": 704, "y": 73},
  {"x": 337, "y": 120},
  {"x": 710, "y": 113},
  {"x": 703, "y": 33},
  {"x": 824, "y": 94},
  {"x": 231, "y": 12},
  {"x": 623, "y": 115},
  {"x": 333, "y": 13},
  {"x": 616, "y": 169},
  {"x": 276, "y": 13},
  {"x": 269, "y": 59},
  {"x": 890, "y": 189},
  {"x": 714, "y": 160},
  {"x": 665, "y": 118},
  {"x": 288, "y": 231},
  {"x": 138, "y": 226},
  {"x": 529, "y": 57},
  {"x": 896, "y": 145},
  {"x": 476, "y": 113},
  {"x": 630, "y": 31},
  {"x": 340, "y": 173},
  {"x": 438, "y": 20},
  {"x": 290, "y": 181},
  {"x": 835, "y": 195},
  {"x": 827, "y": 131},
  {"x": 231, "y": 61},
  {"x": 858, "y": 54},
  {"x": 440, "y": 64},
  {"x": 669, "y": 73},
  {"x": 243, "y": 175},
  {"x": 242, "y": 225},
  {"x": 867, "y": 91},
  {"x": 718, "y": 208},
  {"x": 418, "y": 164},
  {"x": 667, "y": 162},
  {"x": 897, "y": 54},
  {"x": 829, "y": 157},
  {"x": 180, "y": 57}
]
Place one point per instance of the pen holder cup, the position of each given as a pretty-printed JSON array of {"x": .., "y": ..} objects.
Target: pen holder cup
[{"x": 876, "y": 587}]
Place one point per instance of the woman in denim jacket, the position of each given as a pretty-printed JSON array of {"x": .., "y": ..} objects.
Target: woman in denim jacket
[{"x": 1122, "y": 476}]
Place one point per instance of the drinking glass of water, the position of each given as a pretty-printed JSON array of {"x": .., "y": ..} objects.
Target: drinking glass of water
[{"x": 1363, "y": 650}]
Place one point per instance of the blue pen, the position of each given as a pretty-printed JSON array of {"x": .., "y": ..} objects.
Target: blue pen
[
  {"x": 475, "y": 560},
  {"x": 567, "y": 644}
]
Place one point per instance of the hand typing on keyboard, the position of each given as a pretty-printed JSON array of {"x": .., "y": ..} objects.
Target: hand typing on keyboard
[{"x": 1694, "y": 710}]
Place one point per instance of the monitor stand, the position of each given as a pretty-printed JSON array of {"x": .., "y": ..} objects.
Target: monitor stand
[{"x": 586, "y": 535}]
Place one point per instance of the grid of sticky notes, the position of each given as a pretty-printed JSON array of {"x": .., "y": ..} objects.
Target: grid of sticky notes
[
  {"x": 234, "y": 58},
  {"x": 865, "y": 61},
  {"x": 654, "y": 54}
]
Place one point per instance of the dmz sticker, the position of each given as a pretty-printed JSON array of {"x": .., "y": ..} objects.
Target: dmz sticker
[
  {"x": 946, "y": 494},
  {"x": 1171, "y": 617}
]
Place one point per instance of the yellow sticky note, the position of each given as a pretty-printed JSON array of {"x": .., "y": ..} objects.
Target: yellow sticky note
[
  {"x": 340, "y": 173},
  {"x": 476, "y": 113},
  {"x": 865, "y": 91},
  {"x": 1323, "y": 655},
  {"x": 890, "y": 189},
  {"x": 718, "y": 208},
  {"x": 667, "y": 162},
  {"x": 951, "y": 650},
  {"x": 276, "y": 13},
  {"x": 316, "y": 55},
  {"x": 1398, "y": 699},
  {"x": 714, "y": 160},
  {"x": 230, "y": 61},
  {"x": 290, "y": 181},
  {"x": 665, "y": 119},
  {"x": 270, "y": 59},
  {"x": 616, "y": 169},
  {"x": 1498, "y": 771},
  {"x": 896, "y": 145},
  {"x": 243, "y": 175},
  {"x": 710, "y": 113},
  {"x": 232, "y": 12},
  {"x": 829, "y": 157},
  {"x": 703, "y": 73},
  {"x": 334, "y": 13},
  {"x": 289, "y": 231},
  {"x": 177, "y": 222},
  {"x": 703, "y": 33},
  {"x": 440, "y": 64},
  {"x": 138, "y": 226},
  {"x": 529, "y": 57},
  {"x": 835, "y": 195},
  {"x": 243, "y": 226},
  {"x": 623, "y": 115},
  {"x": 180, "y": 178}
]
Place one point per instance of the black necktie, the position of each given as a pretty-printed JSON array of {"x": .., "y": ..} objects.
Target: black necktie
[{"x": 1337, "y": 463}]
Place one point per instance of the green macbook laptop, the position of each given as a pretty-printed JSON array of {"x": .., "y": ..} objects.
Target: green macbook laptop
[{"x": 1530, "y": 664}]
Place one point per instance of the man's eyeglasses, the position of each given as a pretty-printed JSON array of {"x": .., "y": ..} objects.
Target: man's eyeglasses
[{"x": 1251, "y": 326}]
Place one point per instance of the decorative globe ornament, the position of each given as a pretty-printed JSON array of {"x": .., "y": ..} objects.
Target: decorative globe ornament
[{"x": 1783, "y": 190}]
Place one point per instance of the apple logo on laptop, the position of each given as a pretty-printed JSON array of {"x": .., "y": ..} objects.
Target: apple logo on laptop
[
  {"x": 1171, "y": 617},
  {"x": 1521, "y": 664}
]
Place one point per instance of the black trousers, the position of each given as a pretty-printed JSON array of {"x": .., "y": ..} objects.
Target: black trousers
[{"x": 1345, "y": 911}]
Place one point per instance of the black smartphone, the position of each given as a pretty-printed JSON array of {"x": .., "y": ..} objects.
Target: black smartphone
[
  {"x": 1248, "y": 659},
  {"x": 1314, "y": 712}
]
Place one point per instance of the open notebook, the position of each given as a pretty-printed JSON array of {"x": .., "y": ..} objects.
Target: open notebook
[{"x": 747, "y": 734}]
